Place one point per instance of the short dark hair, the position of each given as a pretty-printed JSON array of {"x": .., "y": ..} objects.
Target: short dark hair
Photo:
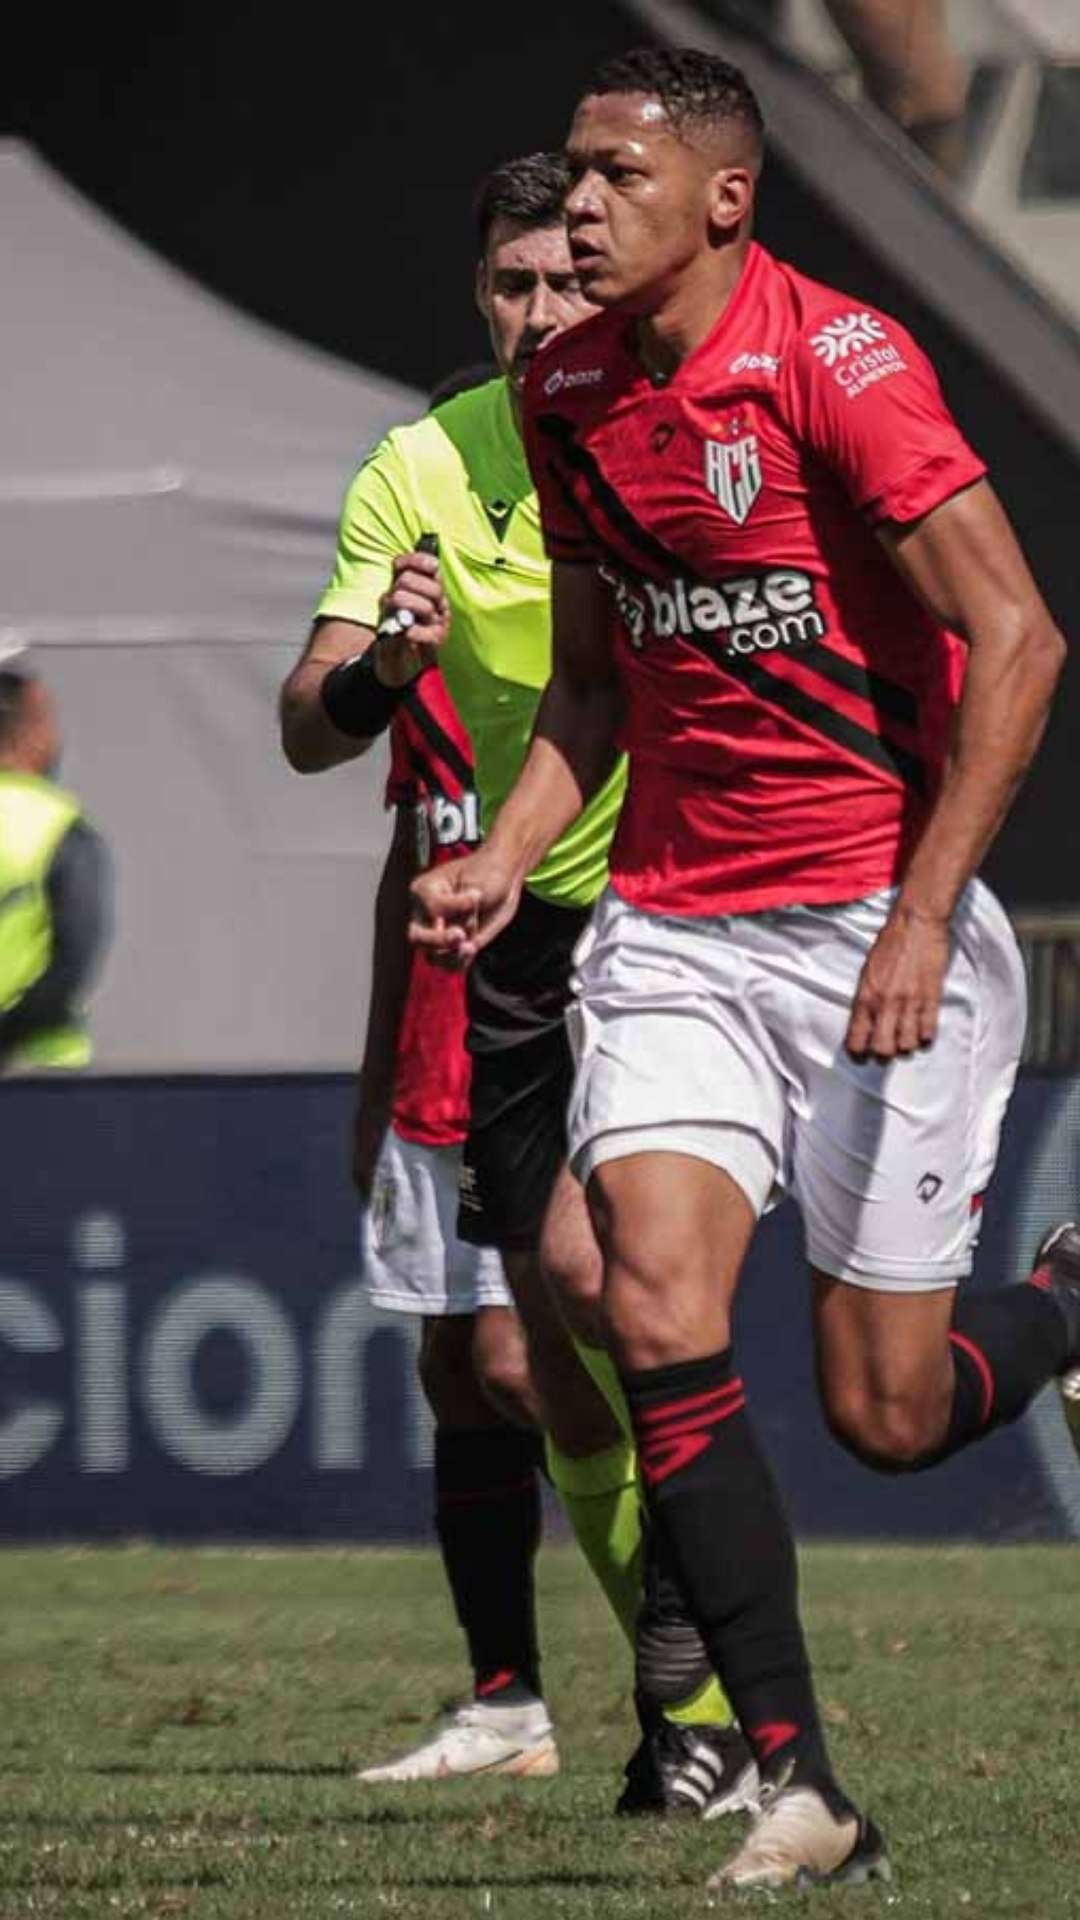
[
  {"x": 13, "y": 691},
  {"x": 694, "y": 88},
  {"x": 530, "y": 190},
  {"x": 461, "y": 380}
]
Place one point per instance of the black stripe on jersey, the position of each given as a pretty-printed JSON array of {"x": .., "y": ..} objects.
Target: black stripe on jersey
[
  {"x": 579, "y": 549},
  {"x": 885, "y": 696},
  {"x": 447, "y": 749}
]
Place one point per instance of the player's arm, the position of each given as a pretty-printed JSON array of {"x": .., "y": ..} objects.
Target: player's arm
[
  {"x": 463, "y": 904},
  {"x": 573, "y": 746},
  {"x": 963, "y": 561},
  {"x": 391, "y": 960}
]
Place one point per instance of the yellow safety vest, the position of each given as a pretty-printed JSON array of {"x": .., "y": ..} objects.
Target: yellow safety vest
[{"x": 34, "y": 817}]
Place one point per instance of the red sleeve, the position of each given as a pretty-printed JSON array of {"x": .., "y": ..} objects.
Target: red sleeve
[
  {"x": 865, "y": 398},
  {"x": 401, "y": 779},
  {"x": 565, "y": 536}
]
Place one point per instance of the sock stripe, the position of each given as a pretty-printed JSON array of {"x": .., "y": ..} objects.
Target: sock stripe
[
  {"x": 653, "y": 1416},
  {"x": 495, "y": 1683},
  {"x": 664, "y": 1452},
  {"x": 982, "y": 1367},
  {"x": 697, "y": 1422}
]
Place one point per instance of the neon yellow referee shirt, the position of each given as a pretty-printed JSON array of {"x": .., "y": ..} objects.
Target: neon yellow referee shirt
[{"x": 461, "y": 472}]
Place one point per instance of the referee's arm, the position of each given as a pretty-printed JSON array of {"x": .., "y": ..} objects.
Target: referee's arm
[{"x": 309, "y": 738}]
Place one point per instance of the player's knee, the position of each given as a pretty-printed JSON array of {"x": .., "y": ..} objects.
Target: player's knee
[
  {"x": 893, "y": 1432},
  {"x": 502, "y": 1374},
  {"x": 444, "y": 1367}
]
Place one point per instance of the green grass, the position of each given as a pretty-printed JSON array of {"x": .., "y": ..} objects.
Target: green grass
[{"x": 178, "y": 1732}]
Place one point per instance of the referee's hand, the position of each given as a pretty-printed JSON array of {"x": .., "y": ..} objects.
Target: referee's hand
[
  {"x": 459, "y": 906},
  {"x": 414, "y": 619}
]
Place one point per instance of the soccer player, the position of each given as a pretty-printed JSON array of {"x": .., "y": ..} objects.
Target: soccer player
[
  {"x": 462, "y": 473},
  {"x": 830, "y": 668},
  {"x": 411, "y": 1116}
]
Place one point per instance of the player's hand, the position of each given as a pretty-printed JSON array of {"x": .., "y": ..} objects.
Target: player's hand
[
  {"x": 416, "y": 597},
  {"x": 896, "y": 1004},
  {"x": 460, "y": 906}
]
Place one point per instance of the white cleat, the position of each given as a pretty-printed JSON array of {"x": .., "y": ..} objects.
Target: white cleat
[
  {"x": 797, "y": 1841},
  {"x": 480, "y": 1738}
]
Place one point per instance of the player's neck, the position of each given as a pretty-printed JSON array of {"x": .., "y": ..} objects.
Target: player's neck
[{"x": 687, "y": 314}]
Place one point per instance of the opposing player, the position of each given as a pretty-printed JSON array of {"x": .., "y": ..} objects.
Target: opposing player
[
  {"x": 411, "y": 1117},
  {"x": 831, "y": 669},
  {"x": 462, "y": 472}
]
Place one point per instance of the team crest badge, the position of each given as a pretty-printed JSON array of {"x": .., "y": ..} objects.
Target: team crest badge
[{"x": 733, "y": 474}]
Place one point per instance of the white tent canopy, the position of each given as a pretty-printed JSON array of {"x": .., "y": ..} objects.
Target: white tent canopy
[{"x": 170, "y": 478}]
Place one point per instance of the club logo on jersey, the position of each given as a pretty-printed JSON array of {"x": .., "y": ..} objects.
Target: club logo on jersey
[
  {"x": 733, "y": 474},
  {"x": 849, "y": 333},
  {"x": 446, "y": 823},
  {"x": 662, "y": 436},
  {"x": 756, "y": 613},
  {"x": 929, "y": 1187}
]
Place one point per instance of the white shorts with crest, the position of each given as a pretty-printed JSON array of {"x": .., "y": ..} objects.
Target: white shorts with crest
[
  {"x": 411, "y": 1259},
  {"x": 723, "y": 1038}
]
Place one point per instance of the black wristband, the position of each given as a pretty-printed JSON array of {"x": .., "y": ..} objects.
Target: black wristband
[{"x": 355, "y": 699}]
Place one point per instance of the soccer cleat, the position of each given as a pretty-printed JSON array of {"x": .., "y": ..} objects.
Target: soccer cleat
[
  {"x": 706, "y": 1771},
  {"x": 479, "y": 1738},
  {"x": 1057, "y": 1270},
  {"x": 797, "y": 1841}
]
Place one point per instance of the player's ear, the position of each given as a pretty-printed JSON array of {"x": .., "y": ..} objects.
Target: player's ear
[
  {"x": 731, "y": 196},
  {"x": 480, "y": 288}
]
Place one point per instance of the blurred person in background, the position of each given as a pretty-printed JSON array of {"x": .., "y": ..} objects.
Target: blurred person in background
[
  {"x": 906, "y": 60},
  {"x": 462, "y": 472},
  {"x": 910, "y": 70},
  {"x": 55, "y": 889}
]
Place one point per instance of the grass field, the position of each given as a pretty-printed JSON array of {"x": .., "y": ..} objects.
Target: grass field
[{"x": 178, "y": 1732}]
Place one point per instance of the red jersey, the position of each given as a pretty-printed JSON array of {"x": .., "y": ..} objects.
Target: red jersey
[
  {"x": 789, "y": 703},
  {"x": 431, "y": 772}
]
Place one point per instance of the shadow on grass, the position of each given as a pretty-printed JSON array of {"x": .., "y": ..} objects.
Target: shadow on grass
[{"x": 474, "y": 1882}]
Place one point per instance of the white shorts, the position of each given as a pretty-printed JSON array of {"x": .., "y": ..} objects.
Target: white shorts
[
  {"x": 411, "y": 1259},
  {"x": 723, "y": 1038}
]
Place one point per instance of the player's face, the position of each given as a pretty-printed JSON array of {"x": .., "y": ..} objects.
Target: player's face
[
  {"x": 527, "y": 289},
  {"x": 643, "y": 202}
]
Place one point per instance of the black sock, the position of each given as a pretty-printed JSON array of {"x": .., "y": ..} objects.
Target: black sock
[
  {"x": 712, "y": 1497},
  {"x": 1005, "y": 1345},
  {"x": 487, "y": 1517}
]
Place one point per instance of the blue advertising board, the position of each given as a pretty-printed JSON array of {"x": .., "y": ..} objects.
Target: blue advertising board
[{"x": 186, "y": 1350}]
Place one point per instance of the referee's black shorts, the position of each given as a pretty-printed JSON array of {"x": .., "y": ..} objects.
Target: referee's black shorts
[{"x": 518, "y": 989}]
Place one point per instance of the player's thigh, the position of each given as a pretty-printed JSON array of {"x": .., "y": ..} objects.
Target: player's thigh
[
  {"x": 674, "y": 1228},
  {"x": 676, "y": 1122},
  {"x": 411, "y": 1257},
  {"x": 888, "y": 1160},
  {"x": 518, "y": 989}
]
